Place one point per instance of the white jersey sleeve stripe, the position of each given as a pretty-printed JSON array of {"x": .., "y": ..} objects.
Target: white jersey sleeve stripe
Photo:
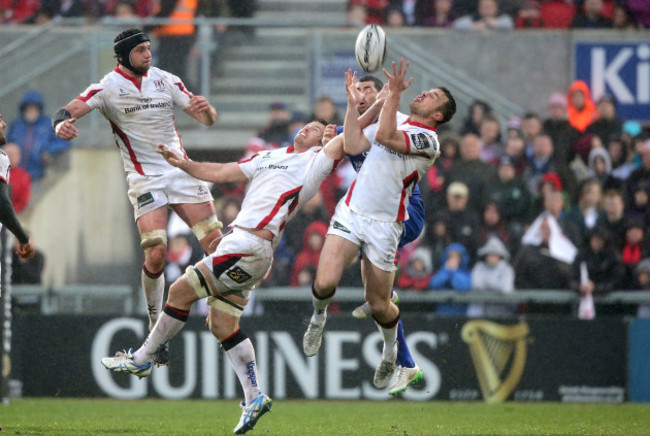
[
  {"x": 127, "y": 144},
  {"x": 89, "y": 95},
  {"x": 183, "y": 90}
]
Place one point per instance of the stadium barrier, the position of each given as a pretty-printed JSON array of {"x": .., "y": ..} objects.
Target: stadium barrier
[{"x": 520, "y": 359}]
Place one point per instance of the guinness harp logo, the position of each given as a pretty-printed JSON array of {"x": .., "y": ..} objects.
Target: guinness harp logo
[{"x": 499, "y": 356}]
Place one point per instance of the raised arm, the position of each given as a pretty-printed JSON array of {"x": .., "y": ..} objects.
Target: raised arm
[
  {"x": 387, "y": 133},
  {"x": 208, "y": 171},
  {"x": 63, "y": 120},
  {"x": 201, "y": 110},
  {"x": 355, "y": 142}
]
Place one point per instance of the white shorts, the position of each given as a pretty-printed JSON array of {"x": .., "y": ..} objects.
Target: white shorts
[
  {"x": 377, "y": 239},
  {"x": 240, "y": 261},
  {"x": 147, "y": 193}
]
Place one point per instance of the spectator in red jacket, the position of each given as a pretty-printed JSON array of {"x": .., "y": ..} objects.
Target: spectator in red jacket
[
  {"x": 19, "y": 180},
  {"x": 313, "y": 240}
]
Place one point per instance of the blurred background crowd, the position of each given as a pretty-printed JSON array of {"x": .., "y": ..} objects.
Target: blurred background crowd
[{"x": 563, "y": 192}]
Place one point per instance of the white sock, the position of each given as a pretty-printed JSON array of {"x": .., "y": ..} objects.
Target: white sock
[
  {"x": 390, "y": 342},
  {"x": 154, "y": 288},
  {"x": 166, "y": 328},
  {"x": 320, "y": 307},
  {"x": 242, "y": 359}
]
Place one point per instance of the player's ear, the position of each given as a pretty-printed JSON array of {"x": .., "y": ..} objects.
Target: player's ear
[{"x": 438, "y": 116}]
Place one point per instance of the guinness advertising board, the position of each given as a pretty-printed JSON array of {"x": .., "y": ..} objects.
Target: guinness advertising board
[{"x": 542, "y": 359}]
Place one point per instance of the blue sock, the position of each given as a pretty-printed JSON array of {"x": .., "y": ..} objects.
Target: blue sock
[{"x": 404, "y": 358}]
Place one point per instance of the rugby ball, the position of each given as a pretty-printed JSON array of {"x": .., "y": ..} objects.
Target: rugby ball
[{"x": 371, "y": 48}]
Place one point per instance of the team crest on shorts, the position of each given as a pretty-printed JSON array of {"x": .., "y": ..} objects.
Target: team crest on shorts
[
  {"x": 145, "y": 199},
  {"x": 239, "y": 275},
  {"x": 338, "y": 226}
]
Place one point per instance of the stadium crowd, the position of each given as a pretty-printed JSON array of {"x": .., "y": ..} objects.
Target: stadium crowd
[
  {"x": 458, "y": 14},
  {"x": 550, "y": 192}
]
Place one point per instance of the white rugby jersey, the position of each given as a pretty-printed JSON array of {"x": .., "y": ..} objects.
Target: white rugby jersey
[
  {"x": 141, "y": 117},
  {"x": 386, "y": 179},
  {"x": 281, "y": 182},
  {"x": 5, "y": 168}
]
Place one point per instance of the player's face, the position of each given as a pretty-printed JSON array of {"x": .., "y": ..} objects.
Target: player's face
[
  {"x": 309, "y": 136},
  {"x": 141, "y": 57},
  {"x": 369, "y": 92},
  {"x": 428, "y": 102},
  {"x": 3, "y": 138}
]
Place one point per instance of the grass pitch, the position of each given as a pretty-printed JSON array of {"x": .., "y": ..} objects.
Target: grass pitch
[{"x": 327, "y": 418}]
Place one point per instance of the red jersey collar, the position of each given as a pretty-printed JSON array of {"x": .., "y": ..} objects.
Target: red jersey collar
[
  {"x": 127, "y": 77},
  {"x": 415, "y": 123}
]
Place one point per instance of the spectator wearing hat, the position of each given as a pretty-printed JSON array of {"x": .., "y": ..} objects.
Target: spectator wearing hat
[
  {"x": 620, "y": 157},
  {"x": 599, "y": 165},
  {"x": 581, "y": 109},
  {"x": 608, "y": 124},
  {"x": 416, "y": 270},
  {"x": 546, "y": 247},
  {"x": 642, "y": 283},
  {"x": 32, "y": 132},
  {"x": 562, "y": 133},
  {"x": 529, "y": 16},
  {"x": 513, "y": 128},
  {"x": 493, "y": 273},
  {"x": 471, "y": 171},
  {"x": 635, "y": 248},
  {"x": 463, "y": 221},
  {"x": 515, "y": 150},
  {"x": 509, "y": 193},
  {"x": 591, "y": 17}
]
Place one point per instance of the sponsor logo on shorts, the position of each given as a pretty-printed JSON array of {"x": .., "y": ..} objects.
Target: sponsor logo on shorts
[
  {"x": 145, "y": 199},
  {"x": 239, "y": 275},
  {"x": 201, "y": 191},
  {"x": 338, "y": 226}
]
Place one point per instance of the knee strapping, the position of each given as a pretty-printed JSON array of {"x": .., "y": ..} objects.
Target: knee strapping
[
  {"x": 153, "y": 238},
  {"x": 197, "y": 281},
  {"x": 206, "y": 226},
  {"x": 226, "y": 306}
]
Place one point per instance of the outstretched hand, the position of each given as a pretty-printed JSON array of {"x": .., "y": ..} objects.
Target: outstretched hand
[
  {"x": 66, "y": 130},
  {"x": 25, "y": 251},
  {"x": 328, "y": 133},
  {"x": 169, "y": 155},
  {"x": 199, "y": 104},
  {"x": 354, "y": 96},
  {"x": 396, "y": 80}
]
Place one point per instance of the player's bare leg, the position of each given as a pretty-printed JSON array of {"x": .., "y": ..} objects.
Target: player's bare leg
[
  {"x": 202, "y": 219},
  {"x": 337, "y": 254},
  {"x": 378, "y": 285},
  {"x": 223, "y": 322}
]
